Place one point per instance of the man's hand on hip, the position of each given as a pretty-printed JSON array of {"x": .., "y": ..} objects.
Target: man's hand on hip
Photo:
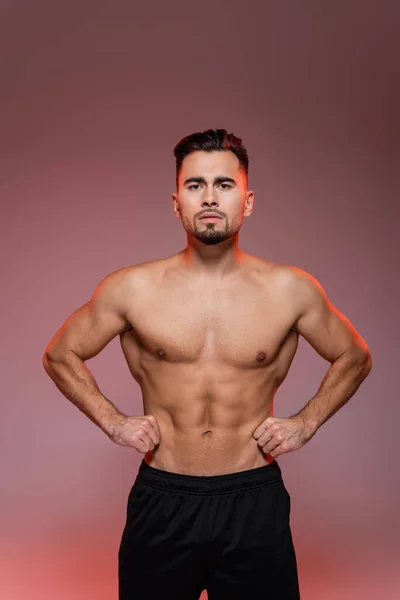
[
  {"x": 280, "y": 435},
  {"x": 142, "y": 433}
]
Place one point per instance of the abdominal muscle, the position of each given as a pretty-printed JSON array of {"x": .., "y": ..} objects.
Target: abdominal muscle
[{"x": 208, "y": 435}]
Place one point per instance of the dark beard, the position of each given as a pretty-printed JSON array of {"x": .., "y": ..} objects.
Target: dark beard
[{"x": 211, "y": 236}]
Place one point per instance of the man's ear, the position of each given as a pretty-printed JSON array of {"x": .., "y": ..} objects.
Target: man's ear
[
  {"x": 176, "y": 205},
  {"x": 249, "y": 204}
]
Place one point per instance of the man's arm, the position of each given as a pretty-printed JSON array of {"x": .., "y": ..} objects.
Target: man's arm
[
  {"x": 332, "y": 335},
  {"x": 83, "y": 335}
]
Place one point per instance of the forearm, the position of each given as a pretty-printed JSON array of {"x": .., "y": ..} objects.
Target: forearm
[
  {"x": 340, "y": 383},
  {"x": 75, "y": 382}
]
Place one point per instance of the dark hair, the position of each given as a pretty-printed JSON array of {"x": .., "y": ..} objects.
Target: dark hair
[{"x": 211, "y": 140}]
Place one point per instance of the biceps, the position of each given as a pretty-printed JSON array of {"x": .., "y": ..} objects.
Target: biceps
[
  {"x": 328, "y": 331},
  {"x": 87, "y": 331},
  {"x": 324, "y": 328}
]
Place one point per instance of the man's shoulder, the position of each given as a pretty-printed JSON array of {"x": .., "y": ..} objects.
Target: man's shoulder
[
  {"x": 136, "y": 275},
  {"x": 298, "y": 287},
  {"x": 287, "y": 275},
  {"x": 282, "y": 274},
  {"x": 289, "y": 285},
  {"x": 288, "y": 281}
]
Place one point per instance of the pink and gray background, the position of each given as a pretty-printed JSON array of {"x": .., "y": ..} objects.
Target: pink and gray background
[{"x": 94, "y": 96}]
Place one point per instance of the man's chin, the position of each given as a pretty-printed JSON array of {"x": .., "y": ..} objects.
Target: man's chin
[{"x": 211, "y": 240}]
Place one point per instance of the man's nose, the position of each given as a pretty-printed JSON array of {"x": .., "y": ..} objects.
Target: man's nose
[{"x": 209, "y": 199}]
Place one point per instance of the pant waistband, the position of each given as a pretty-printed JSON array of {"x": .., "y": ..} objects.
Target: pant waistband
[{"x": 209, "y": 484}]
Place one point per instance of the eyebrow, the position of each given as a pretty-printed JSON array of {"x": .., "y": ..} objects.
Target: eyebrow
[{"x": 220, "y": 179}]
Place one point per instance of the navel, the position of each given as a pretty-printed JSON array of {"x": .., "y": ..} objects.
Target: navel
[
  {"x": 207, "y": 433},
  {"x": 160, "y": 352},
  {"x": 261, "y": 356}
]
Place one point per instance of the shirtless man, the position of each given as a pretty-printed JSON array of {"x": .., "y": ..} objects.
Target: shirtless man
[{"x": 209, "y": 334}]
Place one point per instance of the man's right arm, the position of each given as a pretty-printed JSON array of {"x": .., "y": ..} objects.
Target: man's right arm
[{"x": 83, "y": 335}]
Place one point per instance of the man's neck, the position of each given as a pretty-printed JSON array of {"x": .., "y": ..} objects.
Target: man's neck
[{"x": 216, "y": 261}]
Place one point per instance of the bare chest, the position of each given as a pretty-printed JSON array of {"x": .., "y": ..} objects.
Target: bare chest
[{"x": 242, "y": 325}]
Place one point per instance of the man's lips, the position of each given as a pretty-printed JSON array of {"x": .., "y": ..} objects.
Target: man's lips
[{"x": 210, "y": 216}]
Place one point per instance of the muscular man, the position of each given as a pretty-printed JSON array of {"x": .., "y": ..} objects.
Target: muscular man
[{"x": 209, "y": 334}]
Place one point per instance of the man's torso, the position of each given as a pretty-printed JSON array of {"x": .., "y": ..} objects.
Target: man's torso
[{"x": 209, "y": 356}]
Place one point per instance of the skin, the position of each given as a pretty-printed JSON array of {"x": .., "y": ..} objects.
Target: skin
[{"x": 209, "y": 334}]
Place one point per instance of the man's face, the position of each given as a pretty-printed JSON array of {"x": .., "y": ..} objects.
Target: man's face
[{"x": 212, "y": 182}]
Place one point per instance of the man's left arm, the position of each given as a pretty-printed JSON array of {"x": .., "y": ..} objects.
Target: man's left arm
[{"x": 332, "y": 335}]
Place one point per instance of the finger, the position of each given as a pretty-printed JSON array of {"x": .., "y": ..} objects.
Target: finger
[
  {"x": 271, "y": 446},
  {"x": 277, "y": 452},
  {"x": 264, "y": 438},
  {"x": 151, "y": 433},
  {"x": 153, "y": 421},
  {"x": 142, "y": 441},
  {"x": 263, "y": 427},
  {"x": 278, "y": 436}
]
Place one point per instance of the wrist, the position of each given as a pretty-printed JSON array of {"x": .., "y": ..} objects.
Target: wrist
[
  {"x": 112, "y": 421},
  {"x": 309, "y": 425}
]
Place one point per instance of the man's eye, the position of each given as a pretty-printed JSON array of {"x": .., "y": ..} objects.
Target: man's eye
[{"x": 196, "y": 185}]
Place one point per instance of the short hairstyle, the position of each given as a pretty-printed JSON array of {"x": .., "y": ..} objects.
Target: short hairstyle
[{"x": 211, "y": 140}]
